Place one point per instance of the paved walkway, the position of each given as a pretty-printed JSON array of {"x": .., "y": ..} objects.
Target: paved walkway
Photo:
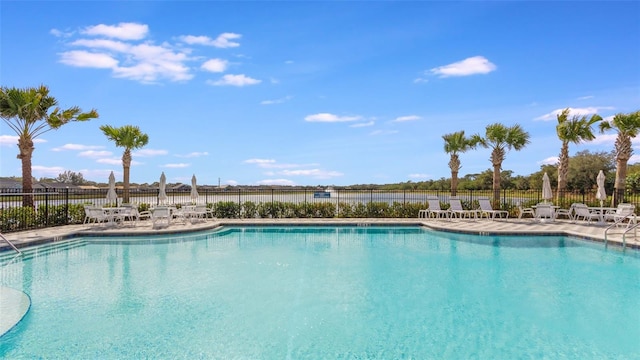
[{"x": 579, "y": 229}]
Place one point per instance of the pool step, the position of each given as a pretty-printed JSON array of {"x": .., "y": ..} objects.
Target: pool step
[{"x": 31, "y": 252}]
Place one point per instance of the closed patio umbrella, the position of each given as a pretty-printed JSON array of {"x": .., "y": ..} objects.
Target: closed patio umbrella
[
  {"x": 112, "y": 196},
  {"x": 602, "y": 193},
  {"x": 194, "y": 190},
  {"x": 547, "y": 194},
  {"x": 162, "y": 195}
]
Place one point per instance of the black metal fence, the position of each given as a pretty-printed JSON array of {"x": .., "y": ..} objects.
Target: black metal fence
[{"x": 66, "y": 206}]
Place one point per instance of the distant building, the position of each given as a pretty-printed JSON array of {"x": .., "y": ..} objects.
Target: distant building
[{"x": 10, "y": 184}]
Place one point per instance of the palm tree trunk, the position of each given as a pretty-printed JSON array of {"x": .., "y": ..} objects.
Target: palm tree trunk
[
  {"x": 496, "y": 183},
  {"x": 26, "y": 153},
  {"x": 454, "y": 183},
  {"x": 563, "y": 169},
  {"x": 621, "y": 179},
  {"x": 126, "y": 166}
]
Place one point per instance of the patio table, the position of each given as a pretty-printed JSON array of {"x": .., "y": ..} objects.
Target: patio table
[{"x": 602, "y": 211}]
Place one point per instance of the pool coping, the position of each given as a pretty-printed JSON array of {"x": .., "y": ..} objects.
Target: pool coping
[{"x": 516, "y": 227}]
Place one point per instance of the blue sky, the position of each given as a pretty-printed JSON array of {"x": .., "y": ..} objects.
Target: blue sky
[{"x": 314, "y": 93}]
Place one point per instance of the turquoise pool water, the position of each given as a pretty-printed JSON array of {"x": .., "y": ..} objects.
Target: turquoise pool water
[{"x": 334, "y": 293}]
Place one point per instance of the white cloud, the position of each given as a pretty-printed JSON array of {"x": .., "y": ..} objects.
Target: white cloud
[
  {"x": 271, "y": 164},
  {"x": 419, "y": 176},
  {"x": 194, "y": 154},
  {"x": 106, "y": 44},
  {"x": 77, "y": 147},
  {"x": 420, "y": 80},
  {"x": 176, "y": 166},
  {"x": 124, "y": 31},
  {"x": 59, "y": 33},
  {"x": 9, "y": 140},
  {"x": 81, "y": 58},
  {"x": 469, "y": 66},
  {"x": 383, "y": 132},
  {"x": 47, "y": 171},
  {"x": 572, "y": 112},
  {"x": 149, "y": 152},
  {"x": 100, "y": 173},
  {"x": 586, "y": 97},
  {"x": 231, "y": 182},
  {"x": 110, "y": 161},
  {"x": 633, "y": 159},
  {"x": 610, "y": 139},
  {"x": 222, "y": 41},
  {"x": 215, "y": 65},
  {"x": 277, "y": 101},
  {"x": 260, "y": 162},
  {"x": 326, "y": 117},
  {"x": 316, "y": 173},
  {"x": 234, "y": 80},
  {"x": 604, "y": 139},
  {"x": 283, "y": 182},
  {"x": 144, "y": 62},
  {"x": 95, "y": 154},
  {"x": 358, "y": 125},
  {"x": 553, "y": 160},
  {"x": 149, "y": 63},
  {"x": 407, "y": 118}
]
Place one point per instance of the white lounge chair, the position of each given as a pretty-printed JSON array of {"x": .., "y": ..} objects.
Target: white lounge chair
[
  {"x": 456, "y": 209},
  {"x": 130, "y": 212},
  {"x": 625, "y": 213},
  {"x": 522, "y": 211},
  {"x": 569, "y": 213},
  {"x": 487, "y": 210},
  {"x": 198, "y": 213},
  {"x": 545, "y": 211},
  {"x": 434, "y": 210},
  {"x": 582, "y": 212},
  {"x": 161, "y": 215}
]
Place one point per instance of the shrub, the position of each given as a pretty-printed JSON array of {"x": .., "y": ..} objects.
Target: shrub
[
  {"x": 226, "y": 209},
  {"x": 17, "y": 218},
  {"x": 249, "y": 210}
]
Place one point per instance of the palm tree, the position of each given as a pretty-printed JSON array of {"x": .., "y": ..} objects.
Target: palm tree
[
  {"x": 627, "y": 126},
  {"x": 129, "y": 137},
  {"x": 501, "y": 138},
  {"x": 571, "y": 130},
  {"x": 28, "y": 112},
  {"x": 455, "y": 143}
]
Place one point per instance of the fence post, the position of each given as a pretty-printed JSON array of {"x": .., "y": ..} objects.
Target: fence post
[
  {"x": 46, "y": 207},
  {"x": 66, "y": 206}
]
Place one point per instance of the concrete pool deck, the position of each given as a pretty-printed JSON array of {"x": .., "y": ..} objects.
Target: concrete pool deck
[{"x": 579, "y": 229}]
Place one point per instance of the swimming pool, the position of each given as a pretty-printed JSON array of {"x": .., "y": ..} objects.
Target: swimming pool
[{"x": 319, "y": 292}]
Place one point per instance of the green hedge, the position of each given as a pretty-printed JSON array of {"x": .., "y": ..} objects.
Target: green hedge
[{"x": 21, "y": 218}]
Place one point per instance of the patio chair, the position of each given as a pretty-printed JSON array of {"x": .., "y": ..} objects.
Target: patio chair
[
  {"x": 456, "y": 209},
  {"x": 434, "y": 210},
  {"x": 161, "y": 215},
  {"x": 522, "y": 211},
  {"x": 582, "y": 212},
  {"x": 487, "y": 210},
  {"x": 87, "y": 214},
  {"x": 198, "y": 213},
  {"x": 130, "y": 212},
  {"x": 544, "y": 211},
  {"x": 624, "y": 213},
  {"x": 569, "y": 213}
]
